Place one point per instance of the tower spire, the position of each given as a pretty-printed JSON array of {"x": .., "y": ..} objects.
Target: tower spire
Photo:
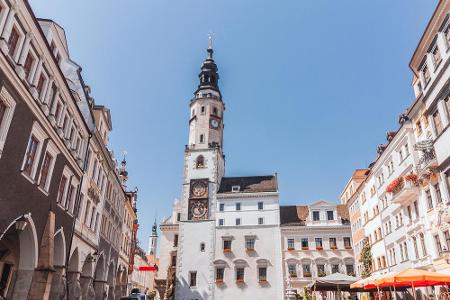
[{"x": 209, "y": 76}]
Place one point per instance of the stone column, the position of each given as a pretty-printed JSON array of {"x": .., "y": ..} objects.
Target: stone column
[
  {"x": 43, "y": 274},
  {"x": 100, "y": 288},
  {"x": 74, "y": 291},
  {"x": 87, "y": 289},
  {"x": 59, "y": 286}
]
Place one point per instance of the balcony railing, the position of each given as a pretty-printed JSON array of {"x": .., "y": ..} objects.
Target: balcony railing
[
  {"x": 427, "y": 162},
  {"x": 404, "y": 189}
]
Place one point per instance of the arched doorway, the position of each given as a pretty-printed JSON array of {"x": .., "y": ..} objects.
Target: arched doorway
[
  {"x": 110, "y": 280},
  {"x": 121, "y": 282},
  {"x": 59, "y": 287},
  {"x": 73, "y": 276},
  {"x": 99, "y": 278},
  {"x": 86, "y": 278},
  {"x": 18, "y": 257}
]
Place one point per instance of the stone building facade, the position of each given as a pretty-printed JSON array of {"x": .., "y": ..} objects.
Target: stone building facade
[
  {"x": 315, "y": 242},
  {"x": 404, "y": 200},
  {"x": 60, "y": 181}
]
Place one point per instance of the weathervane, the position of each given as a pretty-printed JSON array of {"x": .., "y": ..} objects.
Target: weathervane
[{"x": 210, "y": 40}]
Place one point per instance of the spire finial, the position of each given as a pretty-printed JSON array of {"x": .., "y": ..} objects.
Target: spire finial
[{"x": 210, "y": 40}]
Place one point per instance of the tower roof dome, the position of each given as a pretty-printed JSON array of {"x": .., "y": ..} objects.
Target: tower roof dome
[{"x": 208, "y": 75}]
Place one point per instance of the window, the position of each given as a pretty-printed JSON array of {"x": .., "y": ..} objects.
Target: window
[
  {"x": 319, "y": 244},
  {"x": 447, "y": 239},
  {"x": 86, "y": 212},
  {"x": 202, "y": 110},
  {"x": 215, "y": 111},
  {"x": 438, "y": 244},
  {"x": 416, "y": 209},
  {"x": 202, "y": 247},
  {"x": 347, "y": 243},
  {"x": 200, "y": 162},
  {"x": 405, "y": 248},
  {"x": 221, "y": 222},
  {"x": 426, "y": 74},
  {"x": 250, "y": 244},
  {"x": 333, "y": 244},
  {"x": 61, "y": 189},
  {"x": 40, "y": 85},
  {"x": 235, "y": 188},
  {"x": 238, "y": 221},
  {"x": 416, "y": 248},
  {"x": 240, "y": 274},
  {"x": 290, "y": 243},
  {"x": 320, "y": 270},
  {"x": 173, "y": 261},
  {"x": 422, "y": 243},
  {"x": 221, "y": 207},
  {"x": 306, "y": 270},
  {"x": 350, "y": 269},
  {"x": 330, "y": 215},
  {"x": 262, "y": 274},
  {"x": 219, "y": 274},
  {"x": 260, "y": 205},
  {"x": 305, "y": 245},
  {"x": 418, "y": 127},
  {"x": 437, "y": 58},
  {"x": 201, "y": 139},
  {"x": 437, "y": 123},
  {"x": 69, "y": 200},
  {"x": 334, "y": 268},
  {"x": 437, "y": 190},
  {"x": 292, "y": 270},
  {"x": 30, "y": 155},
  {"x": 29, "y": 62},
  {"x": 2, "y": 112},
  {"x": 238, "y": 206},
  {"x": 175, "y": 240},
  {"x": 178, "y": 217},
  {"x": 429, "y": 199},
  {"x": 192, "y": 278},
  {"x": 260, "y": 221},
  {"x": 226, "y": 245},
  {"x": 12, "y": 41},
  {"x": 316, "y": 215}
]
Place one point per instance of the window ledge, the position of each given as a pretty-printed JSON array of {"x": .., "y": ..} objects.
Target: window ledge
[
  {"x": 27, "y": 177},
  {"x": 46, "y": 193}
]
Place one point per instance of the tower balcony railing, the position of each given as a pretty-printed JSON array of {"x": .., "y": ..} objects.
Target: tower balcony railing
[{"x": 404, "y": 189}]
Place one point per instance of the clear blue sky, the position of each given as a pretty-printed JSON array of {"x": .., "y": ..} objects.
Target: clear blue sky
[{"x": 310, "y": 87}]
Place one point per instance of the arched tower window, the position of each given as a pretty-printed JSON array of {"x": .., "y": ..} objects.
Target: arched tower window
[
  {"x": 200, "y": 162},
  {"x": 202, "y": 138}
]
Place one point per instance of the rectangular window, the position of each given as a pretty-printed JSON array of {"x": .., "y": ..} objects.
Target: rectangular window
[
  {"x": 306, "y": 270},
  {"x": 260, "y": 205},
  {"x": 240, "y": 274},
  {"x": 219, "y": 274},
  {"x": 347, "y": 243},
  {"x": 238, "y": 206},
  {"x": 2, "y": 112},
  {"x": 178, "y": 217},
  {"x": 48, "y": 158},
  {"x": 221, "y": 222},
  {"x": 62, "y": 187},
  {"x": 438, "y": 193},
  {"x": 70, "y": 194},
  {"x": 437, "y": 122},
  {"x": 447, "y": 239},
  {"x": 29, "y": 61},
  {"x": 30, "y": 155},
  {"x": 250, "y": 243},
  {"x": 333, "y": 244},
  {"x": 86, "y": 212},
  {"x": 319, "y": 244},
  {"x": 426, "y": 74},
  {"x": 238, "y": 221},
  {"x": 320, "y": 270},
  {"x": 173, "y": 261},
  {"x": 40, "y": 85},
  {"x": 436, "y": 56},
  {"x": 290, "y": 243},
  {"x": 350, "y": 270},
  {"x": 80, "y": 205},
  {"x": 330, "y": 215},
  {"x": 260, "y": 221},
  {"x": 175, "y": 240},
  {"x": 262, "y": 274},
  {"x": 305, "y": 244},
  {"x": 416, "y": 209},
  {"x": 192, "y": 278},
  {"x": 12, "y": 41},
  {"x": 292, "y": 270},
  {"x": 316, "y": 215},
  {"x": 221, "y": 207},
  {"x": 429, "y": 199},
  {"x": 422, "y": 243},
  {"x": 226, "y": 245},
  {"x": 334, "y": 268},
  {"x": 438, "y": 244}
]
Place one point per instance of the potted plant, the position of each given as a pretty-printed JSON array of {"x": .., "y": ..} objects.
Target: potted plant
[
  {"x": 227, "y": 250},
  {"x": 333, "y": 247},
  {"x": 305, "y": 248},
  {"x": 306, "y": 274},
  {"x": 319, "y": 248},
  {"x": 291, "y": 249},
  {"x": 395, "y": 185}
]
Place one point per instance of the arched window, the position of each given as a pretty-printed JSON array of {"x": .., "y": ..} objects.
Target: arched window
[{"x": 200, "y": 162}]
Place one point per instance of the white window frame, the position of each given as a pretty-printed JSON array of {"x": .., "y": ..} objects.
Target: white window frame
[
  {"x": 15, "y": 56},
  {"x": 53, "y": 151},
  {"x": 4, "y": 13},
  {"x": 10, "y": 103},
  {"x": 34, "y": 65},
  {"x": 40, "y": 135},
  {"x": 66, "y": 172}
]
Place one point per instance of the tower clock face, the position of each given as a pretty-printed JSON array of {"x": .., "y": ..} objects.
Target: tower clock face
[
  {"x": 198, "y": 210},
  {"x": 214, "y": 123},
  {"x": 199, "y": 189}
]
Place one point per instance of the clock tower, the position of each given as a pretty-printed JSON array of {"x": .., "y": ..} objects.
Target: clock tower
[{"x": 203, "y": 170}]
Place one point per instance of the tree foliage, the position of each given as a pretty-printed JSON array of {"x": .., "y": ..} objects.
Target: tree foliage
[{"x": 366, "y": 259}]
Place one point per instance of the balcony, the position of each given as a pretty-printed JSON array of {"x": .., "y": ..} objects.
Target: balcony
[
  {"x": 427, "y": 162},
  {"x": 441, "y": 146},
  {"x": 404, "y": 189}
]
